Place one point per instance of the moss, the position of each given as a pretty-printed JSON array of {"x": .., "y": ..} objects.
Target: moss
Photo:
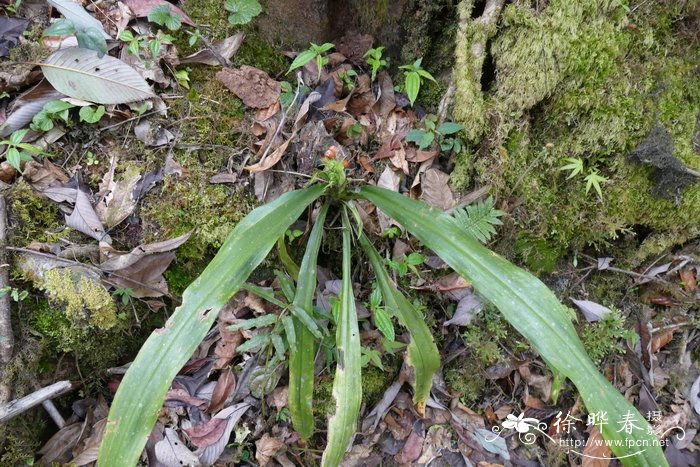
[
  {"x": 20, "y": 438},
  {"x": 603, "y": 339},
  {"x": 463, "y": 376},
  {"x": 573, "y": 80},
  {"x": 32, "y": 218},
  {"x": 374, "y": 383},
  {"x": 85, "y": 300},
  {"x": 192, "y": 203}
]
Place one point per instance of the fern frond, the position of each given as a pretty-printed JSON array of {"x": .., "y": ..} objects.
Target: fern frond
[{"x": 479, "y": 219}]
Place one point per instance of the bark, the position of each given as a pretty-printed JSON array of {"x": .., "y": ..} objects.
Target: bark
[{"x": 6, "y": 335}]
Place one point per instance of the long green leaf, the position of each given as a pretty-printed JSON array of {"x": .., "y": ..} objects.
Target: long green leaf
[
  {"x": 142, "y": 391},
  {"x": 302, "y": 355},
  {"x": 423, "y": 354},
  {"x": 347, "y": 386},
  {"x": 534, "y": 311}
]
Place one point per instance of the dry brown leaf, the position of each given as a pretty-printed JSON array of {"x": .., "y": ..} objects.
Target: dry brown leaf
[
  {"x": 225, "y": 386},
  {"x": 389, "y": 180},
  {"x": 278, "y": 398},
  {"x": 181, "y": 395},
  {"x": 91, "y": 446},
  {"x": 253, "y": 86},
  {"x": 151, "y": 135},
  {"x": 226, "y": 48},
  {"x": 267, "y": 113},
  {"x": 118, "y": 202},
  {"x": 411, "y": 449},
  {"x": 420, "y": 156},
  {"x": 362, "y": 97},
  {"x": 85, "y": 220},
  {"x": 44, "y": 175},
  {"x": 145, "y": 277},
  {"x": 660, "y": 340},
  {"x": 206, "y": 434},
  {"x": 119, "y": 260},
  {"x": 435, "y": 189},
  {"x": 387, "y": 100},
  {"x": 271, "y": 159},
  {"x": 266, "y": 448},
  {"x": 365, "y": 163},
  {"x": 172, "y": 451},
  {"x": 596, "y": 453},
  {"x": 689, "y": 280}
]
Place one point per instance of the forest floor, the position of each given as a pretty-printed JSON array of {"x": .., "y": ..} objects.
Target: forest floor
[{"x": 108, "y": 212}]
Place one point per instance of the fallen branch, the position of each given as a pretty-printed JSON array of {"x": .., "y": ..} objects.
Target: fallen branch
[
  {"x": 19, "y": 406},
  {"x": 7, "y": 341}
]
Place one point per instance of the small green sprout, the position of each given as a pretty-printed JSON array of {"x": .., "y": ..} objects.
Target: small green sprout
[
  {"x": 314, "y": 52},
  {"x": 374, "y": 60},
  {"x": 163, "y": 15},
  {"x": 413, "y": 77},
  {"x": 13, "y": 154}
]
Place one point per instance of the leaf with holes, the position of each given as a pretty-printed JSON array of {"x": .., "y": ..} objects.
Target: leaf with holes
[{"x": 81, "y": 74}]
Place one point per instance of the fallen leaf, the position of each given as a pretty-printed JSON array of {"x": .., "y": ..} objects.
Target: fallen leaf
[
  {"x": 253, "y": 86},
  {"x": 145, "y": 277},
  {"x": 23, "y": 109},
  {"x": 85, "y": 220},
  {"x": 227, "y": 48},
  {"x": 467, "y": 308},
  {"x": 231, "y": 414},
  {"x": 225, "y": 386},
  {"x": 694, "y": 395},
  {"x": 44, "y": 175},
  {"x": 435, "y": 189},
  {"x": 10, "y": 31},
  {"x": 391, "y": 181},
  {"x": 411, "y": 449},
  {"x": 420, "y": 156},
  {"x": 660, "y": 340},
  {"x": 206, "y": 434},
  {"x": 118, "y": 201},
  {"x": 141, "y": 8},
  {"x": 172, "y": 451},
  {"x": 119, "y": 261},
  {"x": 689, "y": 280},
  {"x": 596, "y": 453},
  {"x": 386, "y": 100},
  {"x": 152, "y": 136},
  {"x": 266, "y": 448},
  {"x": 58, "y": 448},
  {"x": 91, "y": 446},
  {"x": 271, "y": 159},
  {"x": 592, "y": 311},
  {"x": 278, "y": 398}
]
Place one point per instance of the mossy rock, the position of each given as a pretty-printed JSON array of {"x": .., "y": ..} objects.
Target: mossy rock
[{"x": 590, "y": 81}]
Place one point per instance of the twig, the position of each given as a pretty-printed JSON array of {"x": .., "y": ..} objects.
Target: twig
[
  {"x": 7, "y": 340},
  {"x": 54, "y": 414},
  {"x": 19, "y": 406},
  {"x": 219, "y": 58}
]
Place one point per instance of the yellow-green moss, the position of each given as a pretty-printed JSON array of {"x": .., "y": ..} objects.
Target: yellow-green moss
[
  {"x": 84, "y": 300},
  {"x": 464, "y": 376}
]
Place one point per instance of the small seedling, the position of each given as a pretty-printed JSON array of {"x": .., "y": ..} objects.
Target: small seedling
[
  {"x": 374, "y": 60},
  {"x": 124, "y": 294},
  {"x": 13, "y": 154},
  {"x": 314, "y": 52},
  {"x": 424, "y": 137},
  {"x": 409, "y": 263},
  {"x": 91, "y": 114},
  {"x": 51, "y": 112},
  {"x": 15, "y": 294},
  {"x": 163, "y": 15},
  {"x": 195, "y": 36},
  {"x": 183, "y": 77},
  {"x": 354, "y": 130},
  {"x": 413, "y": 77},
  {"x": 242, "y": 11},
  {"x": 347, "y": 77},
  {"x": 91, "y": 159},
  {"x": 594, "y": 179}
]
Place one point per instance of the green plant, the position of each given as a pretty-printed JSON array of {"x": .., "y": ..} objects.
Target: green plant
[
  {"x": 413, "y": 77},
  {"x": 138, "y": 43},
  {"x": 593, "y": 178},
  {"x": 13, "y": 154},
  {"x": 424, "y": 137},
  {"x": 314, "y": 52},
  {"x": 374, "y": 60},
  {"x": 13, "y": 7},
  {"x": 408, "y": 263},
  {"x": 163, "y": 16},
  {"x": 195, "y": 36},
  {"x": 52, "y": 111},
  {"x": 123, "y": 294},
  {"x": 14, "y": 293},
  {"x": 347, "y": 77},
  {"x": 242, "y": 11},
  {"x": 91, "y": 114},
  {"x": 478, "y": 219},
  {"x": 91, "y": 159},
  {"x": 183, "y": 77},
  {"x": 529, "y": 306}
]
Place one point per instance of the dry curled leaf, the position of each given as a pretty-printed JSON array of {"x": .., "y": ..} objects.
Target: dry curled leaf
[
  {"x": 253, "y": 86},
  {"x": 266, "y": 448},
  {"x": 226, "y": 48}
]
